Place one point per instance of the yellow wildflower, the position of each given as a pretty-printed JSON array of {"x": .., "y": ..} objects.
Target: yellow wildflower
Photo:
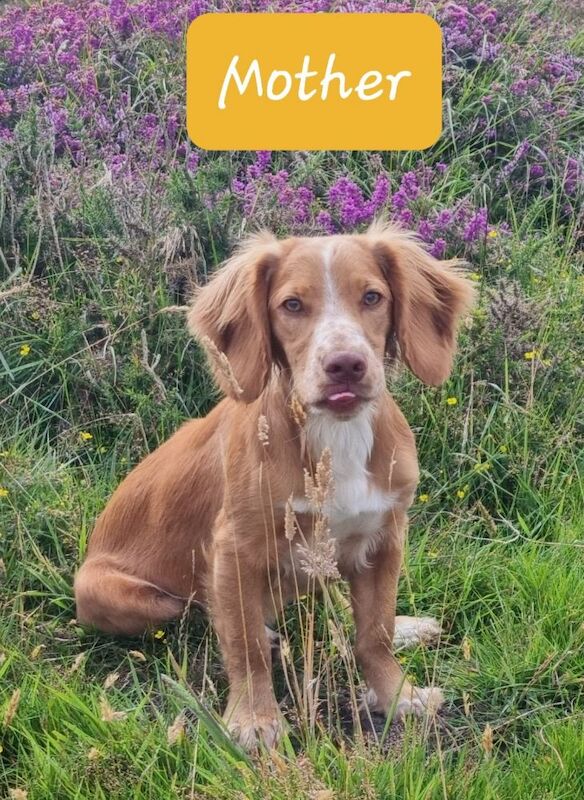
[
  {"x": 503, "y": 448},
  {"x": 159, "y": 634},
  {"x": 24, "y": 350},
  {"x": 451, "y": 401},
  {"x": 35, "y": 315},
  {"x": 474, "y": 276},
  {"x": 85, "y": 436},
  {"x": 492, "y": 234},
  {"x": 482, "y": 467},
  {"x": 530, "y": 355},
  {"x": 4, "y": 491},
  {"x": 461, "y": 494},
  {"x": 423, "y": 498}
]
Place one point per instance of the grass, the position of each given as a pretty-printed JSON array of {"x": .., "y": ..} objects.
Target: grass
[
  {"x": 96, "y": 369},
  {"x": 495, "y": 552}
]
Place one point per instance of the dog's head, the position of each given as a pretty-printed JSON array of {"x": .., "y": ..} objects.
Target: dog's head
[{"x": 328, "y": 310}]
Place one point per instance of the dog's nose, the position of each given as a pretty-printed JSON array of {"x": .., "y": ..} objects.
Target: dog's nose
[{"x": 345, "y": 366}]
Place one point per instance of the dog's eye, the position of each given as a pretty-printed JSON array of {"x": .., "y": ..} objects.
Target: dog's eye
[
  {"x": 371, "y": 298},
  {"x": 292, "y": 304}
]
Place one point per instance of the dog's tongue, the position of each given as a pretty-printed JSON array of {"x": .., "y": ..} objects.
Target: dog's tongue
[
  {"x": 342, "y": 396},
  {"x": 341, "y": 399}
]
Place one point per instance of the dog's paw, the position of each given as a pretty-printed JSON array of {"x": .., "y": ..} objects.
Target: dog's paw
[
  {"x": 419, "y": 702},
  {"x": 412, "y": 631},
  {"x": 251, "y": 731}
]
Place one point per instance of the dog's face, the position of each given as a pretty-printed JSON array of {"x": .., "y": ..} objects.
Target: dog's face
[
  {"x": 330, "y": 313},
  {"x": 328, "y": 310}
]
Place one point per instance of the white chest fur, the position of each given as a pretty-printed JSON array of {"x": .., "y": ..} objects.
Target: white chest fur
[{"x": 357, "y": 507}]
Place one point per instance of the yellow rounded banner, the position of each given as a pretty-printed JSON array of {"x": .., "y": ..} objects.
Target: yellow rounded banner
[{"x": 314, "y": 81}]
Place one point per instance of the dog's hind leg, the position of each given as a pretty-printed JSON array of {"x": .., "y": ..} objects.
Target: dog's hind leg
[{"x": 117, "y": 602}]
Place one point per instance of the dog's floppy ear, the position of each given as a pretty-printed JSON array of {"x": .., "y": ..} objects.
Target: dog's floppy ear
[
  {"x": 429, "y": 298},
  {"x": 230, "y": 315}
]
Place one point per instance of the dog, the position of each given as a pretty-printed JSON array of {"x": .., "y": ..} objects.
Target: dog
[{"x": 225, "y": 513}]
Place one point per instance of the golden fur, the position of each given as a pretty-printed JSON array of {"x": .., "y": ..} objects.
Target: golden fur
[{"x": 203, "y": 517}]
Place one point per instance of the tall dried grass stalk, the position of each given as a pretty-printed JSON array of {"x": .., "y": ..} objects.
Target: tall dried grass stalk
[{"x": 221, "y": 364}]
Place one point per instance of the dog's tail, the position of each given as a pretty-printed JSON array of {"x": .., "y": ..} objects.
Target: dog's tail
[{"x": 115, "y": 602}]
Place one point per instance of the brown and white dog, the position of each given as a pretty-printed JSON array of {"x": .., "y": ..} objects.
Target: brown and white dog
[{"x": 303, "y": 327}]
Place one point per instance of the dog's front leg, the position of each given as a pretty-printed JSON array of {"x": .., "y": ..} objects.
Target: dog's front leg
[
  {"x": 373, "y": 597},
  {"x": 239, "y": 581}
]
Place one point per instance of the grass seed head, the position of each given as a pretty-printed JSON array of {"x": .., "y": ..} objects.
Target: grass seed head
[
  {"x": 79, "y": 659},
  {"x": 11, "y": 708},
  {"x": 487, "y": 740},
  {"x": 137, "y": 655},
  {"x": 263, "y": 430},
  {"x": 111, "y": 680},
  {"x": 36, "y": 651},
  {"x": 17, "y": 794},
  {"x": 319, "y": 489},
  {"x": 297, "y": 410},
  {"x": 318, "y": 560},
  {"x": 221, "y": 364},
  {"x": 108, "y": 714},
  {"x": 176, "y": 731},
  {"x": 290, "y": 522},
  {"x": 338, "y": 639}
]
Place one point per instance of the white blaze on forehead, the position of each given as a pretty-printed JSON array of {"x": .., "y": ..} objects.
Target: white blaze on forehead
[
  {"x": 330, "y": 288},
  {"x": 336, "y": 329}
]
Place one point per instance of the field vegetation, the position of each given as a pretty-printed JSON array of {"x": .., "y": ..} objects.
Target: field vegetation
[{"x": 109, "y": 218}]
